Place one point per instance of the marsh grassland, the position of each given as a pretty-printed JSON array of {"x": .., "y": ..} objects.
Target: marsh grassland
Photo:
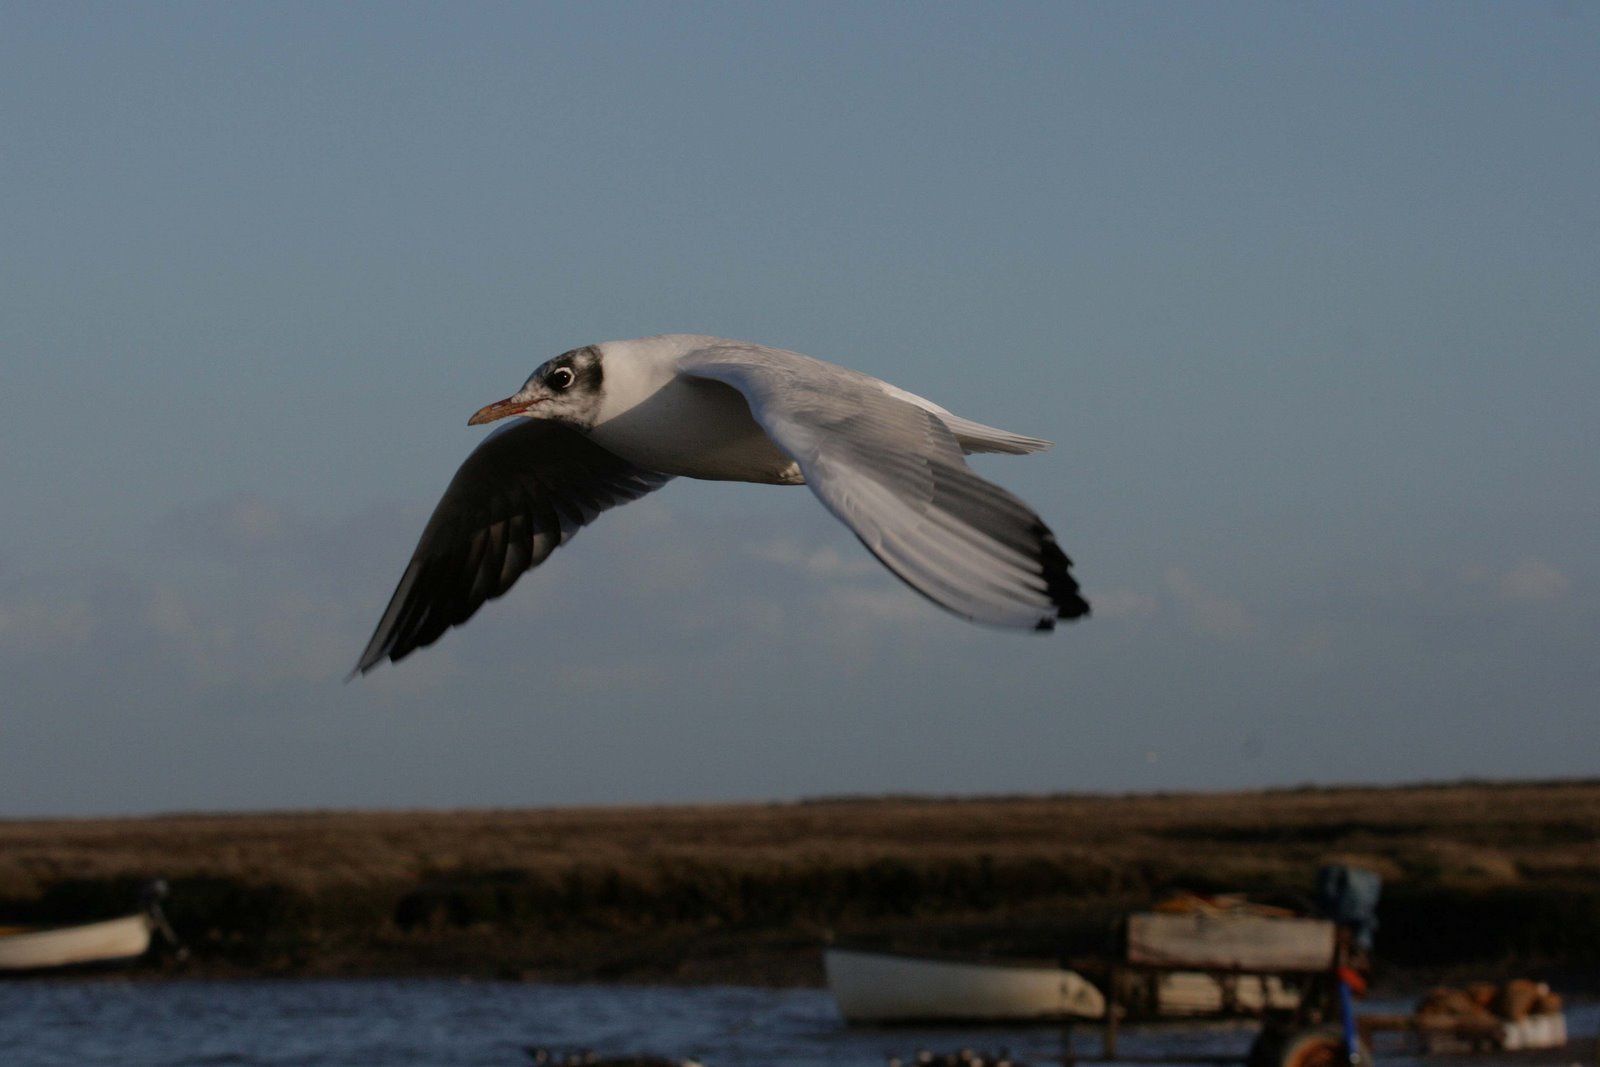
[{"x": 1478, "y": 875}]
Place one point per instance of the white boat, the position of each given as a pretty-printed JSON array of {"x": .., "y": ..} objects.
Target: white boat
[
  {"x": 27, "y": 948},
  {"x": 889, "y": 987},
  {"x": 120, "y": 940}
]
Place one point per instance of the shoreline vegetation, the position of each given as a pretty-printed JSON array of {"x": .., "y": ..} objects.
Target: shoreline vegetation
[{"x": 1481, "y": 878}]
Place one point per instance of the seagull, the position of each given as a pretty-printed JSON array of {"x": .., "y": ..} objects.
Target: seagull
[{"x": 605, "y": 424}]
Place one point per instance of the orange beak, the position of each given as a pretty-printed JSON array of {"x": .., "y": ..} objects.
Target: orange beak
[{"x": 499, "y": 410}]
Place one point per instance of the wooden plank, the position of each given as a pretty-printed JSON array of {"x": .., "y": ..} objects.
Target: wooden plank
[{"x": 1199, "y": 940}]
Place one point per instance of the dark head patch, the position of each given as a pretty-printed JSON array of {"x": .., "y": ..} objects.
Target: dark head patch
[
  {"x": 574, "y": 399},
  {"x": 585, "y": 364}
]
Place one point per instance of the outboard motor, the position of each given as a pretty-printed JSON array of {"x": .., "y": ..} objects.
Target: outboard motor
[
  {"x": 150, "y": 898},
  {"x": 1349, "y": 896}
]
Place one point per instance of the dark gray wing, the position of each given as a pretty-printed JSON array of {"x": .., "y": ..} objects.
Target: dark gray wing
[
  {"x": 893, "y": 472},
  {"x": 521, "y": 493}
]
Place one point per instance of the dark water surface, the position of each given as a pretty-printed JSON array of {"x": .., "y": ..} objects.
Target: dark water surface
[{"x": 412, "y": 1023}]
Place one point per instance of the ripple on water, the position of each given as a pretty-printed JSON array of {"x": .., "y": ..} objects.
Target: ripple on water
[{"x": 415, "y": 1023}]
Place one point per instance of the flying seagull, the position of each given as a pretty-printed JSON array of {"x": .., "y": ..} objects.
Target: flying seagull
[{"x": 608, "y": 423}]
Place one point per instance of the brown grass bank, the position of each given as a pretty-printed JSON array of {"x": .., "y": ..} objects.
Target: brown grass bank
[{"x": 1477, "y": 874}]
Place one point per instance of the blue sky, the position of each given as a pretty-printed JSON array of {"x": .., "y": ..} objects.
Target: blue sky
[{"x": 1305, "y": 294}]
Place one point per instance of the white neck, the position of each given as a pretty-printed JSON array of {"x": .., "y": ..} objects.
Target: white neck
[
  {"x": 636, "y": 370},
  {"x": 652, "y": 416}
]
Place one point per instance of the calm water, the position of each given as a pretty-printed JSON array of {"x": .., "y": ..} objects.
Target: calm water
[{"x": 457, "y": 1024}]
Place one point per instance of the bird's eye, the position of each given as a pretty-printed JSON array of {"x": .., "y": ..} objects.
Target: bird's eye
[{"x": 560, "y": 378}]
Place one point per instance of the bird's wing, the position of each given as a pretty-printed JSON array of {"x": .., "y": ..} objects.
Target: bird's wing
[
  {"x": 525, "y": 490},
  {"x": 893, "y": 472}
]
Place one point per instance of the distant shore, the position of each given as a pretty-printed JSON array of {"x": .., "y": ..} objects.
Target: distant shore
[{"x": 1483, "y": 878}]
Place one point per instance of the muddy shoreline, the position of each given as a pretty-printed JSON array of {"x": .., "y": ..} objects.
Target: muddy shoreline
[{"x": 1480, "y": 878}]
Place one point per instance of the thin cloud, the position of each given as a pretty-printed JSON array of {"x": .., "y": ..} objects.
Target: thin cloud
[
  {"x": 1123, "y": 604},
  {"x": 31, "y": 623},
  {"x": 825, "y": 561},
  {"x": 1208, "y": 612},
  {"x": 229, "y": 527},
  {"x": 1533, "y": 581}
]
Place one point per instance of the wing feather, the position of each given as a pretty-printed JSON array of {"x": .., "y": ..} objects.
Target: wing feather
[
  {"x": 889, "y": 465},
  {"x": 522, "y": 493}
]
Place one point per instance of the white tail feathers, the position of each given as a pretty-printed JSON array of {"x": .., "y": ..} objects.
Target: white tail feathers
[{"x": 974, "y": 436}]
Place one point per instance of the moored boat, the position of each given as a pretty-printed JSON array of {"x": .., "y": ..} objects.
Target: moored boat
[
  {"x": 125, "y": 938},
  {"x": 891, "y": 987},
  {"x": 110, "y": 941}
]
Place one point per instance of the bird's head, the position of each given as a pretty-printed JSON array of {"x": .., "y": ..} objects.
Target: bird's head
[{"x": 565, "y": 389}]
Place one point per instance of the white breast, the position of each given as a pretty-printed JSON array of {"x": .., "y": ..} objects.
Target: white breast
[{"x": 691, "y": 427}]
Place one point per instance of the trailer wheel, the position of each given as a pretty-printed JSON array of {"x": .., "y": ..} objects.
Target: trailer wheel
[{"x": 1319, "y": 1047}]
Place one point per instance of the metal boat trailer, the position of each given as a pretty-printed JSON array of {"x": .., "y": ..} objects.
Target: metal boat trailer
[
  {"x": 1317, "y": 1033},
  {"x": 1314, "y": 956}
]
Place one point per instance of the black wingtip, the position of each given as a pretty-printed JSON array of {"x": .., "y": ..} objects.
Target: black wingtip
[
  {"x": 1059, "y": 584},
  {"x": 1072, "y": 606},
  {"x": 363, "y": 668},
  {"x": 374, "y": 654}
]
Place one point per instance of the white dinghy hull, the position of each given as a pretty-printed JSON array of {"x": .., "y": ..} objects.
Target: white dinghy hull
[
  {"x": 111, "y": 941},
  {"x": 883, "y": 987}
]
